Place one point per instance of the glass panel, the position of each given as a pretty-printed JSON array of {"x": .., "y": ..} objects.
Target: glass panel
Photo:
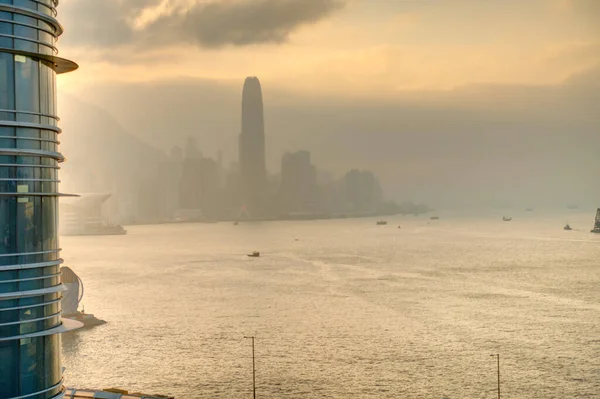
[
  {"x": 25, "y": 31},
  {"x": 7, "y": 287},
  {"x": 27, "y": 87},
  {"x": 6, "y": 28},
  {"x": 25, "y": 45},
  {"x": 27, "y": 226},
  {"x": 7, "y": 86},
  {"x": 8, "y": 208},
  {"x": 9, "y": 370},
  {"x": 49, "y": 223},
  {"x": 26, "y": 4},
  {"x": 8, "y": 316},
  {"x": 44, "y": 8}
]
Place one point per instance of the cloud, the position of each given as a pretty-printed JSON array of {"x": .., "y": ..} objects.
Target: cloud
[{"x": 212, "y": 24}]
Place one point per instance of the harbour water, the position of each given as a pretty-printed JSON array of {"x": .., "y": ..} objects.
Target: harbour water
[{"x": 343, "y": 308}]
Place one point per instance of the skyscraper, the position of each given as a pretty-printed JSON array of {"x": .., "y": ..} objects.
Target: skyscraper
[
  {"x": 298, "y": 181},
  {"x": 30, "y": 285},
  {"x": 253, "y": 168}
]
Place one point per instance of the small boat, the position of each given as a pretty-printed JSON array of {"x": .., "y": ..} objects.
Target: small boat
[
  {"x": 435, "y": 218},
  {"x": 399, "y": 226},
  {"x": 596, "y": 228},
  {"x": 567, "y": 227},
  {"x": 381, "y": 223},
  {"x": 506, "y": 219},
  {"x": 254, "y": 254}
]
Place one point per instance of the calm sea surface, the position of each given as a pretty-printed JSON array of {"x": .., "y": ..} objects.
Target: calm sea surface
[{"x": 343, "y": 309}]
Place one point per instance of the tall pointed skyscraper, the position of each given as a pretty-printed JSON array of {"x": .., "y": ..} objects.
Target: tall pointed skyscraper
[{"x": 252, "y": 148}]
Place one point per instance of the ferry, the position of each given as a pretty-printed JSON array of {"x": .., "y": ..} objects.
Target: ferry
[{"x": 381, "y": 223}]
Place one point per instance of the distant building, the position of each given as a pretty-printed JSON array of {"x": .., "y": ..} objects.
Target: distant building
[
  {"x": 298, "y": 182},
  {"x": 30, "y": 285},
  {"x": 169, "y": 176},
  {"x": 209, "y": 188},
  {"x": 191, "y": 175},
  {"x": 252, "y": 148},
  {"x": 362, "y": 190}
]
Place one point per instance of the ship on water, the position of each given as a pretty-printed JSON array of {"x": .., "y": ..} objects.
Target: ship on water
[
  {"x": 596, "y": 228},
  {"x": 82, "y": 215}
]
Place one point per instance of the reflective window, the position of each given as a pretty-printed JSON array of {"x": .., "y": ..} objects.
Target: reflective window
[
  {"x": 39, "y": 364},
  {"x": 49, "y": 222},
  {"x": 27, "y": 87},
  {"x": 7, "y": 86},
  {"x": 25, "y": 32},
  {"x": 9, "y": 370},
  {"x": 26, "y": 4},
  {"x": 6, "y": 28},
  {"x": 8, "y": 237}
]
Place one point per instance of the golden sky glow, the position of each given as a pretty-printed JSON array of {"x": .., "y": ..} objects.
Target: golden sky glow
[{"x": 376, "y": 47}]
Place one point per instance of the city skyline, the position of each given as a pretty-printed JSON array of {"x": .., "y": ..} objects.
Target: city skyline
[{"x": 430, "y": 95}]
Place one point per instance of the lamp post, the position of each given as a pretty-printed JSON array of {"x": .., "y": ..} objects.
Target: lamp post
[
  {"x": 498, "y": 358},
  {"x": 253, "y": 369}
]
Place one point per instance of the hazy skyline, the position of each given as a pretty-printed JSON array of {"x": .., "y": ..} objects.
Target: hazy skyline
[{"x": 443, "y": 99}]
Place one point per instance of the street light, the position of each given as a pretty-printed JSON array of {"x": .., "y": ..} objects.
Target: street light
[
  {"x": 498, "y": 356},
  {"x": 253, "y": 369}
]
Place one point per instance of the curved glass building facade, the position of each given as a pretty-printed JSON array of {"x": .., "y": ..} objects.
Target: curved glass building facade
[{"x": 30, "y": 287}]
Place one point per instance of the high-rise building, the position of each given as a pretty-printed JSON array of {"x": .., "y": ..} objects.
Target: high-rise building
[
  {"x": 191, "y": 176},
  {"x": 253, "y": 168},
  {"x": 30, "y": 285},
  {"x": 298, "y": 182},
  {"x": 362, "y": 190}
]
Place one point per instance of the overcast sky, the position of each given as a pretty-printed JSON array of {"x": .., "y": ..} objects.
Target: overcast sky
[{"x": 440, "y": 87}]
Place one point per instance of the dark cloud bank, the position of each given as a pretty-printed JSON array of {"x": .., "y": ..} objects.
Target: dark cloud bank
[{"x": 211, "y": 25}]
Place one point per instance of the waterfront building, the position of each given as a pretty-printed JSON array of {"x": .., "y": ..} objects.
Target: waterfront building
[
  {"x": 30, "y": 286},
  {"x": 362, "y": 190},
  {"x": 252, "y": 148}
]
